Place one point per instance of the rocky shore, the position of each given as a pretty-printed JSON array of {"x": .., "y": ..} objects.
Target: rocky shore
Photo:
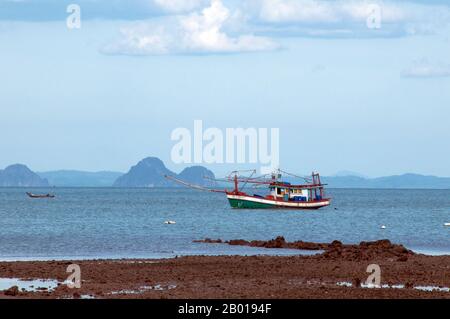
[
  {"x": 337, "y": 271},
  {"x": 334, "y": 250}
]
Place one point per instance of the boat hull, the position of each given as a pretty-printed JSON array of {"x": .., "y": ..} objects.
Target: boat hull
[
  {"x": 40, "y": 196},
  {"x": 252, "y": 202}
]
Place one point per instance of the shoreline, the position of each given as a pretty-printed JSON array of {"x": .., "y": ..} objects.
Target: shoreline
[
  {"x": 430, "y": 253},
  {"x": 249, "y": 253},
  {"x": 253, "y": 248},
  {"x": 424, "y": 252},
  {"x": 336, "y": 273}
]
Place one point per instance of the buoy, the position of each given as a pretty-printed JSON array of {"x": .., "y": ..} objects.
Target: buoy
[
  {"x": 383, "y": 227},
  {"x": 170, "y": 222}
]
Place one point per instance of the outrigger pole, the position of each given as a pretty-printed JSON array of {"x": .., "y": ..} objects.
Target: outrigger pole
[{"x": 179, "y": 181}]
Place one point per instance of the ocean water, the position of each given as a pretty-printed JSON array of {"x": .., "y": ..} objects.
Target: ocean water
[{"x": 129, "y": 223}]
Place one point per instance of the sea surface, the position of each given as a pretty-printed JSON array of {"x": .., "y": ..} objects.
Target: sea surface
[{"x": 91, "y": 223}]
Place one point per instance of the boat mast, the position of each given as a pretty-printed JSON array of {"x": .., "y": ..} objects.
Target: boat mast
[{"x": 316, "y": 181}]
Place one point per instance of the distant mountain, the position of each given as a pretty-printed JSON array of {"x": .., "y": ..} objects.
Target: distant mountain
[
  {"x": 71, "y": 178},
  {"x": 147, "y": 173},
  {"x": 150, "y": 173},
  {"x": 19, "y": 175},
  {"x": 196, "y": 175},
  {"x": 396, "y": 181},
  {"x": 345, "y": 173}
]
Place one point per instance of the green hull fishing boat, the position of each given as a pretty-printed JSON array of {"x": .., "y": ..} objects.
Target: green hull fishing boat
[{"x": 282, "y": 195}]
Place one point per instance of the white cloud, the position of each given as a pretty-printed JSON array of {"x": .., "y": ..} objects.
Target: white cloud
[
  {"x": 424, "y": 69},
  {"x": 348, "y": 18},
  {"x": 316, "y": 11},
  {"x": 252, "y": 25},
  {"x": 196, "y": 33}
]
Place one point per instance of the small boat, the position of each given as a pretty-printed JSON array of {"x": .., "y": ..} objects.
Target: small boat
[
  {"x": 282, "y": 194},
  {"x": 31, "y": 195}
]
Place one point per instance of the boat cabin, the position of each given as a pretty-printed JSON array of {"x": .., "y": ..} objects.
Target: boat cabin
[{"x": 297, "y": 193}]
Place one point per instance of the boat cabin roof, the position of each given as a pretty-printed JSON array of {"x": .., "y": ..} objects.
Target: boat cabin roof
[{"x": 289, "y": 186}]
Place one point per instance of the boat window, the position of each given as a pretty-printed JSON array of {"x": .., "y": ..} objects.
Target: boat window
[{"x": 279, "y": 191}]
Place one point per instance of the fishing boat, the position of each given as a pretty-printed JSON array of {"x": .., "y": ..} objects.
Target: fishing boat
[
  {"x": 31, "y": 195},
  {"x": 281, "y": 194}
]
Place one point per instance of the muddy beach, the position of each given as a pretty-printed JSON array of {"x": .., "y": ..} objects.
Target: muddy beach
[{"x": 337, "y": 271}]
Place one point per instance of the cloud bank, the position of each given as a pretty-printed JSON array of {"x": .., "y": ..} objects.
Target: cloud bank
[
  {"x": 314, "y": 11},
  {"x": 350, "y": 18},
  {"x": 201, "y": 32},
  {"x": 230, "y": 26}
]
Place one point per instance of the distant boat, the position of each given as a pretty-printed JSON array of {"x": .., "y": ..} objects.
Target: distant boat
[{"x": 31, "y": 195}]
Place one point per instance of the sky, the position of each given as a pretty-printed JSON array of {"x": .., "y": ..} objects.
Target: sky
[{"x": 345, "y": 94}]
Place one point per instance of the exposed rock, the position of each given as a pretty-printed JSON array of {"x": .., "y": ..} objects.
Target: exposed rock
[
  {"x": 409, "y": 285},
  {"x": 13, "y": 291},
  {"x": 381, "y": 249},
  {"x": 238, "y": 242},
  {"x": 336, "y": 243},
  {"x": 209, "y": 241},
  {"x": 278, "y": 242},
  {"x": 356, "y": 282}
]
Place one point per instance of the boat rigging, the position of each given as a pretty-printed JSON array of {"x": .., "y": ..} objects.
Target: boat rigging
[{"x": 282, "y": 194}]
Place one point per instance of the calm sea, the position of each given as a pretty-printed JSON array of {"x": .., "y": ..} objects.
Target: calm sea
[{"x": 129, "y": 223}]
